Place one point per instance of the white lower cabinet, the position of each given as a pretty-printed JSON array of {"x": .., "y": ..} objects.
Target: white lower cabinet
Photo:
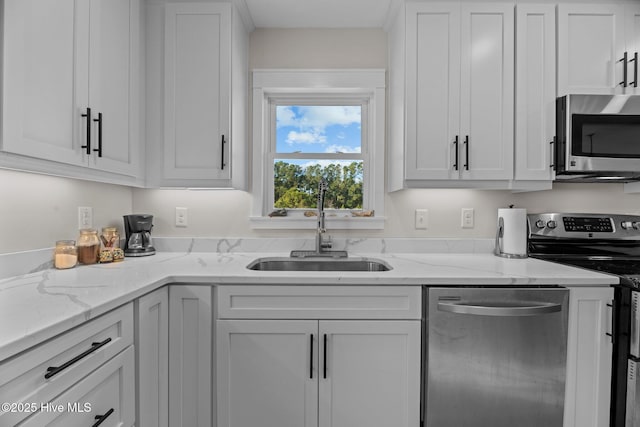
[
  {"x": 152, "y": 359},
  {"x": 105, "y": 398},
  {"x": 316, "y": 372},
  {"x": 589, "y": 358},
  {"x": 190, "y": 361}
]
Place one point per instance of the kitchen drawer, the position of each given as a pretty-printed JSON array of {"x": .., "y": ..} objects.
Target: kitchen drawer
[
  {"x": 108, "y": 394},
  {"x": 319, "y": 302},
  {"x": 75, "y": 353}
]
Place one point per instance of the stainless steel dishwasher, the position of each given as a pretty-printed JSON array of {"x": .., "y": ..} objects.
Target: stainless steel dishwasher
[{"x": 494, "y": 356}]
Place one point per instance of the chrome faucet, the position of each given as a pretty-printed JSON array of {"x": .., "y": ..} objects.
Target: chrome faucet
[{"x": 322, "y": 246}]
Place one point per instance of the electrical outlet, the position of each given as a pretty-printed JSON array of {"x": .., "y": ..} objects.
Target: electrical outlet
[
  {"x": 182, "y": 217},
  {"x": 467, "y": 218},
  {"x": 85, "y": 217},
  {"x": 422, "y": 219}
]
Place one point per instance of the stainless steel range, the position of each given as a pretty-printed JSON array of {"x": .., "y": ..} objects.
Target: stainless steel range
[{"x": 611, "y": 244}]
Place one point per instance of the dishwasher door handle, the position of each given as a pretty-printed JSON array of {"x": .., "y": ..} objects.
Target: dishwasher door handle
[{"x": 499, "y": 310}]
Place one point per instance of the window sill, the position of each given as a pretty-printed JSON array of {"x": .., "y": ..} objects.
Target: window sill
[{"x": 304, "y": 223}]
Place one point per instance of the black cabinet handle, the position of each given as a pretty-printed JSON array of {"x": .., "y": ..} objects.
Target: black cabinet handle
[
  {"x": 311, "y": 359},
  {"x": 99, "y": 120},
  {"x": 53, "y": 370},
  {"x": 325, "y": 356},
  {"x": 466, "y": 148},
  {"x": 100, "y": 418},
  {"x": 222, "y": 163},
  {"x": 455, "y": 143},
  {"x": 612, "y": 335},
  {"x": 552, "y": 143},
  {"x": 625, "y": 61},
  {"x": 88, "y": 145},
  {"x": 634, "y": 83}
]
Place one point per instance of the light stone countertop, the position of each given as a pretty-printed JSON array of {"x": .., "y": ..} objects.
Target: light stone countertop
[{"x": 40, "y": 305}]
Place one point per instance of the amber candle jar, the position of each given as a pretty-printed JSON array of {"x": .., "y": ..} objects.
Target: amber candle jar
[{"x": 88, "y": 246}]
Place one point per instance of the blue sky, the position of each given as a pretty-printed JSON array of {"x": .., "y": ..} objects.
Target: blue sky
[{"x": 318, "y": 129}]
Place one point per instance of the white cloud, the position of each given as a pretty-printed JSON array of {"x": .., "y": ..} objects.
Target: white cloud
[
  {"x": 305, "y": 138},
  {"x": 318, "y": 118},
  {"x": 334, "y": 148}
]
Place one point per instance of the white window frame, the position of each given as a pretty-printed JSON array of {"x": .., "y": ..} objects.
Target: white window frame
[{"x": 329, "y": 87}]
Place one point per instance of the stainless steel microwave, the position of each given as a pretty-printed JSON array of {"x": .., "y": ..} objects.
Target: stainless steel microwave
[{"x": 597, "y": 138}]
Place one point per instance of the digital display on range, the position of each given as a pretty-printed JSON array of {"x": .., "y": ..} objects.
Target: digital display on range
[{"x": 588, "y": 225}]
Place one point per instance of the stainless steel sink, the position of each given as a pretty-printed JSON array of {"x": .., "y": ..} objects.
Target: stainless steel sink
[{"x": 318, "y": 264}]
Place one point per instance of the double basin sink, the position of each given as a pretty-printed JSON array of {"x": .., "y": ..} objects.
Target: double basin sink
[{"x": 318, "y": 264}]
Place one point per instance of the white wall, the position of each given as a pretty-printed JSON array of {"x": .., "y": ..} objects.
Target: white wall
[{"x": 36, "y": 210}]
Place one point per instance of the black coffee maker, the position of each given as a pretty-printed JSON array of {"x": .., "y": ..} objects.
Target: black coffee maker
[{"x": 137, "y": 230}]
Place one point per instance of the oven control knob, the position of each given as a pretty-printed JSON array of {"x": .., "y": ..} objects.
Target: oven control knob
[
  {"x": 626, "y": 225},
  {"x": 540, "y": 223},
  {"x": 636, "y": 225},
  {"x": 552, "y": 224}
]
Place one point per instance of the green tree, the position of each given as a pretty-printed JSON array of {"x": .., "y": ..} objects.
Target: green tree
[{"x": 297, "y": 187}]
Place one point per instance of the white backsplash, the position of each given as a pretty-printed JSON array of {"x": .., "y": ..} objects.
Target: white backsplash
[{"x": 21, "y": 263}]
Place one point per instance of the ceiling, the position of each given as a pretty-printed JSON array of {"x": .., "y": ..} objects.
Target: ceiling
[{"x": 319, "y": 13}]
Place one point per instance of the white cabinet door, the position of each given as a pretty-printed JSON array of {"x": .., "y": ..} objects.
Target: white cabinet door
[
  {"x": 535, "y": 91},
  {"x": 45, "y": 75},
  {"x": 60, "y": 62},
  {"x": 459, "y": 91},
  {"x": 267, "y": 373},
  {"x": 486, "y": 91},
  {"x": 190, "y": 376},
  {"x": 632, "y": 30},
  {"x": 152, "y": 359},
  {"x": 433, "y": 91},
  {"x": 371, "y": 374},
  {"x": 106, "y": 396},
  {"x": 589, "y": 358},
  {"x": 197, "y": 84},
  {"x": 590, "y": 46},
  {"x": 114, "y": 67}
]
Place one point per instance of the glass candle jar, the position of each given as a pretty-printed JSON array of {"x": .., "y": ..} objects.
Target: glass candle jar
[
  {"x": 110, "y": 245},
  {"x": 88, "y": 246},
  {"x": 65, "y": 254}
]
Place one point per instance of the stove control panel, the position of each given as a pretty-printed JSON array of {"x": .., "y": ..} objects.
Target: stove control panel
[
  {"x": 587, "y": 224},
  {"x": 584, "y": 226}
]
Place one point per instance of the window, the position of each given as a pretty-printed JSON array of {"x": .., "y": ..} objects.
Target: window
[
  {"x": 313, "y": 142},
  {"x": 303, "y": 133}
]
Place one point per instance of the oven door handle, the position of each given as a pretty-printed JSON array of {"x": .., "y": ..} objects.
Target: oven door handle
[{"x": 503, "y": 310}]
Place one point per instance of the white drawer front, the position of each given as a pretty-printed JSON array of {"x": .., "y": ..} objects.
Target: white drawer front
[
  {"x": 75, "y": 353},
  {"x": 319, "y": 302},
  {"x": 108, "y": 394}
]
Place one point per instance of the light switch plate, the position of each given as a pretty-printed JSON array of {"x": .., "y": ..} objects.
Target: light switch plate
[
  {"x": 422, "y": 219},
  {"x": 182, "y": 217},
  {"x": 467, "y": 218},
  {"x": 85, "y": 217}
]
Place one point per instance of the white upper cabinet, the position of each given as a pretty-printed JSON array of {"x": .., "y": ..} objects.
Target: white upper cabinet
[
  {"x": 61, "y": 62},
  {"x": 203, "y": 125},
  {"x": 459, "y": 92},
  {"x": 535, "y": 91},
  {"x": 593, "y": 42}
]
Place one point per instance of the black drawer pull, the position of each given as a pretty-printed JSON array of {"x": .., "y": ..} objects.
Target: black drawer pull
[
  {"x": 100, "y": 418},
  {"x": 325, "y": 355},
  {"x": 311, "y": 359},
  {"x": 53, "y": 370}
]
